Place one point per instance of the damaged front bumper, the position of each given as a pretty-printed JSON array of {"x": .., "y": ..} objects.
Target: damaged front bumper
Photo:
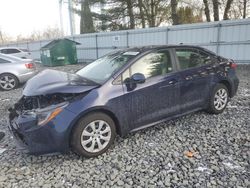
[{"x": 31, "y": 138}]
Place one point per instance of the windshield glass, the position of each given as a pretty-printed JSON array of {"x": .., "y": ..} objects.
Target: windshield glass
[{"x": 102, "y": 69}]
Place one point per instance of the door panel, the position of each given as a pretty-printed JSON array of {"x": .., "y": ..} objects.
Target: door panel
[
  {"x": 152, "y": 101},
  {"x": 157, "y": 98},
  {"x": 195, "y": 79},
  {"x": 193, "y": 89}
]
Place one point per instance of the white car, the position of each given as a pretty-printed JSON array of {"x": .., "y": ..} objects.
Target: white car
[{"x": 22, "y": 53}]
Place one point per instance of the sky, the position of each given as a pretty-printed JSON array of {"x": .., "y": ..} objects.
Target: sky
[{"x": 22, "y": 17}]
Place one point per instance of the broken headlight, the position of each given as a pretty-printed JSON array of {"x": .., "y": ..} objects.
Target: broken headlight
[{"x": 47, "y": 114}]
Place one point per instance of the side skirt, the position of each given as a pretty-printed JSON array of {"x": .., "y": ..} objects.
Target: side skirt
[{"x": 165, "y": 119}]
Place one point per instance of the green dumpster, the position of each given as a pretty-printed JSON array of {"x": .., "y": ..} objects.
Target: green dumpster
[{"x": 59, "y": 52}]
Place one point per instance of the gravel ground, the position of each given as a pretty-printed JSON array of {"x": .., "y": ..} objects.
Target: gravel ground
[{"x": 218, "y": 147}]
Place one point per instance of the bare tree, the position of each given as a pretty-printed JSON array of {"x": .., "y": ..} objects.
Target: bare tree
[
  {"x": 130, "y": 14},
  {"x": 86, "y": 20},
  {"x": 244, "y": 8},
  {"x": 174, "y": 14},
  {"x": 140, "y": 5},
  {"x": 216, "y": 10},
  {"x": 207, "y": 11},
  {"x": 227, "y": 8}
]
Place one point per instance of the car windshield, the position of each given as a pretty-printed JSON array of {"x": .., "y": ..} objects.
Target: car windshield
[{"x": 102, "y": 69}]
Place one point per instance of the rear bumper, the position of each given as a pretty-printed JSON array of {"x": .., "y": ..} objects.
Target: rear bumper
[{"x": 25, "y": 77}]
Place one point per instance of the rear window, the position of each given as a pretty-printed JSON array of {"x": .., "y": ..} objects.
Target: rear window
[
  {"x": 4, "y": 61},
  {"x": 10, "y": 58},
  {"x": 24, "y": 50}
]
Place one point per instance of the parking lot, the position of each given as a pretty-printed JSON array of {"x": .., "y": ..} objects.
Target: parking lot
[{"x": 197, "y": 150}]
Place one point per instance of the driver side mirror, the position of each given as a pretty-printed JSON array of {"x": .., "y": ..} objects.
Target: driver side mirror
[
  {"x": 138, "y": 78},
  {"x": 135, "y": 79}
]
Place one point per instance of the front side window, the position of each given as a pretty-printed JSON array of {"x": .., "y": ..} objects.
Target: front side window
[{"x": 153, "y": 64}]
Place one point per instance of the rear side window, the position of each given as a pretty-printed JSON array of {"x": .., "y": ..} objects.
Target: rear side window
[
  {"x": 205, "y": 58},
  {"x": 189, "y": 58},
  {"x": 12, "y": 51},
  {"x": 3, "y": 61}
]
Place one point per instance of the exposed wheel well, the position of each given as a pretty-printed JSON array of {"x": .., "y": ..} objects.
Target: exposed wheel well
[{"x": 227, "y": 84}]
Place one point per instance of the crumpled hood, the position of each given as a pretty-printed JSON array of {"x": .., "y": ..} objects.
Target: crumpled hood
[{"x": 52, "y": 81}]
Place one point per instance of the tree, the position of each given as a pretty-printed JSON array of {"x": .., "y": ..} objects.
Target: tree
[
  {"x": 186, "y": 16},
  {"x": 244, "y": 8},
  {"x": 228, "y": 5},
  {"x": 86, "y": 19},
  {"x": 174, "y": 14},
  {"x": 216, "y": 10},
  {"x": 140, "y": 5},
  {"x": 130, "y": 14},
  {"x": 207, "y": 11},
  {"x": 156, "y": 11}
]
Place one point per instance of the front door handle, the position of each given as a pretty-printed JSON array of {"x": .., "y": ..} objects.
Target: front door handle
[{"x": 169, "y": 83}]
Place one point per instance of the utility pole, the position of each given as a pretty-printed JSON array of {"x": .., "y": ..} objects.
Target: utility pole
[
  {"x": 71, "y": 18},
  {"x": 61, "y": 16}
]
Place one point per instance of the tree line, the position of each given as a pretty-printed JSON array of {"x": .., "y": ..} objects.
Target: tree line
[{"x": 130, "y": 14}]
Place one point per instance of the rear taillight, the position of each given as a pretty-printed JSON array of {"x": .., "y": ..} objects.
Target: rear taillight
[
  {"x": 29, "y": 65},
  {"x": 233, "y": 65}
]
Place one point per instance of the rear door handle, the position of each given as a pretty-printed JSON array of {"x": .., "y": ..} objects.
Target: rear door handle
[
  {"x": 209, "y": 68},
  {"x": 171, "y": 82},
  {"x": 189, "y": 78}
]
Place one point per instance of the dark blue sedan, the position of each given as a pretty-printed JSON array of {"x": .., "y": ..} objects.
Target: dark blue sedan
[{"x": 119, "y": 93}]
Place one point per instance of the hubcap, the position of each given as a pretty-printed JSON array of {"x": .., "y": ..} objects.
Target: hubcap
[
  {"x": 96, "y": 136},
  {"x": 7, "y": 82},
  {"x": 220, "y": 99}
]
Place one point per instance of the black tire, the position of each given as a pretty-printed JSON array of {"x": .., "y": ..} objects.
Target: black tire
[
  {"x": 14, "y": 81},
  {"x": 216, "y": 109},
  {"x": 82, "y": 125}
]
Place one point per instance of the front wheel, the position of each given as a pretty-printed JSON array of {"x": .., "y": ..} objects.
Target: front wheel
[
  {"x": 93, "y": 135},
  {"x": 219, "y": 99}
]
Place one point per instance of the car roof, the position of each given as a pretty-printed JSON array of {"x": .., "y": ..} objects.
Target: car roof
[
  {"x": 9, "y": 47},
  {"x": 158, "y": 47}
]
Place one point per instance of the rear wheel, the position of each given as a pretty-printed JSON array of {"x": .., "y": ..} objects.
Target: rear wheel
[
  {"x": 219, "y": 99},
  {"x": 93, "y": 135},
  {"x": 8, "y": 81}
]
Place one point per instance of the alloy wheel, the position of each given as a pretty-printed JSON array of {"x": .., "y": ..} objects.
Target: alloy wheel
[
  {"x": 96, "y": 136},
  {"x": 220, "y": 99},
  {"x": 7, "y": 82}
]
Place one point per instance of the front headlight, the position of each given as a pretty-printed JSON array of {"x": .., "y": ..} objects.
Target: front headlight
[{"x": 47, "y": 114}]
